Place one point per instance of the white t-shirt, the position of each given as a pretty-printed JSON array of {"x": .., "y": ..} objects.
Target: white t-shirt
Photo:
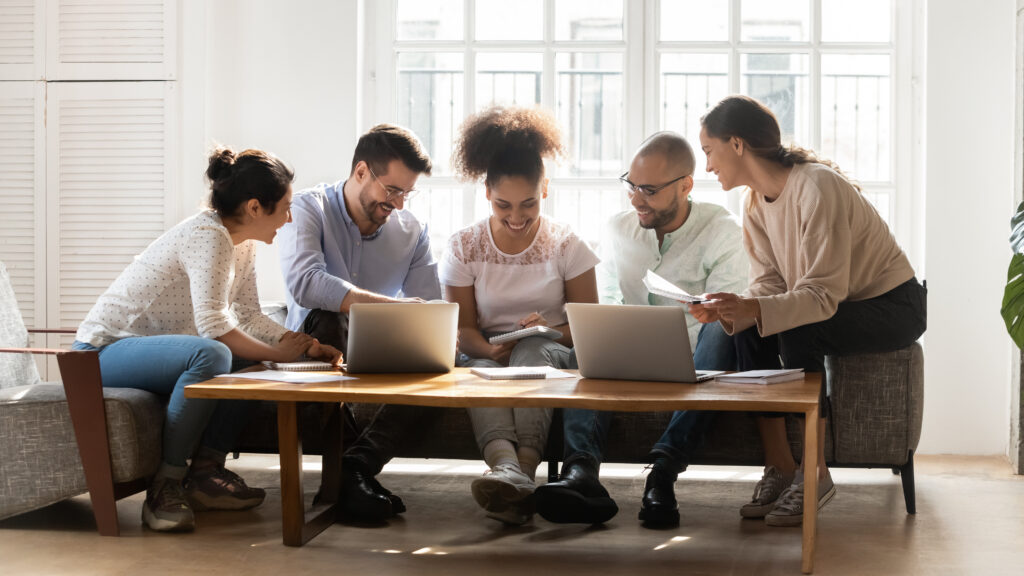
[
  {"x": 191, "y": 280},
  {"x": 509, "y": 287}
]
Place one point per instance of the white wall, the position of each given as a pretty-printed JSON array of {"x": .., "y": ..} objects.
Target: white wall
[
  {"x": 275, "y": 75},
  {"x": 969, "y": 96}
]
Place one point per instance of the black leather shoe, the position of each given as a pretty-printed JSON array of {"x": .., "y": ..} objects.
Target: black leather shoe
[
  {"x": 397, "y": 506},
  {"x": 359, "y": 501},
  {"x": 577, "y": 498},
  {"x": 659, "y": 508}
]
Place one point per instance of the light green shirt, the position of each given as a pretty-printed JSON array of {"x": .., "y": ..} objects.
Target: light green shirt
[{"x": 703, "y": 255}]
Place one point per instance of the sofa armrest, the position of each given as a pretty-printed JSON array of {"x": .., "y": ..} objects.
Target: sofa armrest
[{"x": 83, "y": 387}]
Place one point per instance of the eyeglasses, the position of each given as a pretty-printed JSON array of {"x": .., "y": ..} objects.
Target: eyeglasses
[
  {"x": 647, "y": 189},
  {"x": 393, "y": 192}
]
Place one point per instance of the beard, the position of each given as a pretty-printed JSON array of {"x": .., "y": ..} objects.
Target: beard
[
  {"x": 369, "y": 206},
  {"x": 663, "y": 217}
]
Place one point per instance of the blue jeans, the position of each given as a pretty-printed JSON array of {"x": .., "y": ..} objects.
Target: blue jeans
[
  {"x": 586, "y": 430},
  {"x": 165, "y": 365}
]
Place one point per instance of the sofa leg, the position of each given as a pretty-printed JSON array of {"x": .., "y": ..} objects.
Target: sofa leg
[{"x": 907, "y": 476}]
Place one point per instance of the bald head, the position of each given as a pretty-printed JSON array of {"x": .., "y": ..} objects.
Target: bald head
[{"x": 673, "y": 148}]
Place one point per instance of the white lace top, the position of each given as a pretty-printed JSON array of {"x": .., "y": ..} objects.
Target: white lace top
[
  {"x": 191, "y": 280},
  {"x": 509, "y": 287}
]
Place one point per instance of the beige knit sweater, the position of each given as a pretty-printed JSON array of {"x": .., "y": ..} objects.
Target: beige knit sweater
[{"x": 816, "y": 245}]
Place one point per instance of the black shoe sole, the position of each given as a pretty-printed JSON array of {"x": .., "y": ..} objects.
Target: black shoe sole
[
  {"x": 566, "y": 506},
  {"x": 659, "y": 517}
]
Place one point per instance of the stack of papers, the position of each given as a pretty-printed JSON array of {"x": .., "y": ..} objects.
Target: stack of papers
[
  {"x": 762, "y": 376},
  {"x": 657, "y": 285},
  {"x": 521, "y": 373}
]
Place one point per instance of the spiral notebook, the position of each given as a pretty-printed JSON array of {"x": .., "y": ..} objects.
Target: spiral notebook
[
  {"x": 307, "y": 366},
  {"x": 520, "y": 373}
]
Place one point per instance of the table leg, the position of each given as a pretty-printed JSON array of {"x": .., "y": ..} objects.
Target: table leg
[
  {"x": 296, "y": 530},
  {"x": 810, "y": 463}
]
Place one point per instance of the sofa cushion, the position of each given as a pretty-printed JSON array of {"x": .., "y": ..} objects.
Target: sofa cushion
[
  {"x": 39, "y": 460},
  {"x": 15, "y": 369}
]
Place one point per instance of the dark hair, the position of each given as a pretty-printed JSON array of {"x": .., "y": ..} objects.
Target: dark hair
[
  {"x": 386, "y": 142},
  {"x": 501, "y": 141},
  {"x": 752, "y": 121},
  {"x": 235, "y": 178}
]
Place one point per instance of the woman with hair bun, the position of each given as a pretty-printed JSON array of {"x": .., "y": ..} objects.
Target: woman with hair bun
[
  {"x": 185, "y": 310},
  {"x": 826, "y": 277},
  {"x": 514, "y": 269}
]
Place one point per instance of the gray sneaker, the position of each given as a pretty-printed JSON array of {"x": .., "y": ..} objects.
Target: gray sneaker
[
  {"x": 789, "y": 510},
  {"x": 166, "y": 509},
  {"x": 218, "y": 488},
  {"x": 768, "y": 489},
  {"x": 501, "y": 488}
]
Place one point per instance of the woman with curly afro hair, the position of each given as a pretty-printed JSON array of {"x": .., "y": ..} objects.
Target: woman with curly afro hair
[{"x": 514, "y": 269}]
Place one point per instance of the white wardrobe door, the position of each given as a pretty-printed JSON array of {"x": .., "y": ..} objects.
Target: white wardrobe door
[
  {"x": 23, "y": 196},
  {"x": 21, "y": 39},
  {"x": 111, "y": 39},
  {"x": 110, "y": 186}
]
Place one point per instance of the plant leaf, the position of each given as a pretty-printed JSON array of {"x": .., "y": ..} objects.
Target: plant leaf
[
  {"x": 1017, "y": 230},
  {"x": 1013, "y": 300}
]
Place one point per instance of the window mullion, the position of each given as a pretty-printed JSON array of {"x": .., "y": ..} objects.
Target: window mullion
[
  {"x": 469, "y": 94},
  {"x": 815, "y": 79}
]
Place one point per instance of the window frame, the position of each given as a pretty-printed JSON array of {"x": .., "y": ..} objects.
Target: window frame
[{"x": 641, "y": 48}]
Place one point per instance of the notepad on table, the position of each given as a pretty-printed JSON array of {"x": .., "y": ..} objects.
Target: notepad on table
[
  {"x": 520, "y": 373},
  {"x": 306, "y": 366},
  {"x": 762, "y": 376},
  {"x": 657, "y": 285}
]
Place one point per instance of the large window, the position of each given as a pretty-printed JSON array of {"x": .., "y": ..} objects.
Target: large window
[{"x": 614, "y": 72}]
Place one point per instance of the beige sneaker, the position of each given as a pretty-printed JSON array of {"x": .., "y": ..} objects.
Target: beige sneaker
[
  {"x": 766, "y": 493},
  {"x": 218, "y": 488},
  {"x": 501, "y": 488},
  {"x": 789, "y": 510},
  {"x": 165, "y": 508}
]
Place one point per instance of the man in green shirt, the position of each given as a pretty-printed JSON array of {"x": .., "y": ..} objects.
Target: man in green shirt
[{"x": 696, "y": 246}]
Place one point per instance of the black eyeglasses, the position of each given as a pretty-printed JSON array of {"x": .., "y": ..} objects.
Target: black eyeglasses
[
  {"x": 647, "y": 189},
  {"x": 393, "y": 192}
]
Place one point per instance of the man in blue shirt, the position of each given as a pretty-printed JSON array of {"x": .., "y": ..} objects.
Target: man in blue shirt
[{"x": 351, "y": 242}]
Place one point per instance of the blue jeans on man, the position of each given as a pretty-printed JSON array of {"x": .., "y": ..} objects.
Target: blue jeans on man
[{"x": 586, "y": 430}]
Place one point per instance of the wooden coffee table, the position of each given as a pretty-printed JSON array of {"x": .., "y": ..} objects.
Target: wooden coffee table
[{"x": 460, "y": 388}]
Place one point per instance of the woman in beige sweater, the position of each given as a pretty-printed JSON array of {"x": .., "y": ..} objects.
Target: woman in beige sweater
[{"x": 826, "y": 277}]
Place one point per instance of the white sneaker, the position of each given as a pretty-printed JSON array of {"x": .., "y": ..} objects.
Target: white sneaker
[
  {"x": 789, "y": 510},
  {"x": 767, "y": 492},
  {"x": 501, "y": 488}
]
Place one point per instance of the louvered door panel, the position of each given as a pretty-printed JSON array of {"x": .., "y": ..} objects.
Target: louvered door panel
[
  {"x": 23, "y": 197},
  {"x": 111, "y": 40},
  {"x": 110, "y": 178},
  {"x": 21, "y": 39}
]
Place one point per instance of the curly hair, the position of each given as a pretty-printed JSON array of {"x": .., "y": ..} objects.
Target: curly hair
[{"x": 506, "y": 141}]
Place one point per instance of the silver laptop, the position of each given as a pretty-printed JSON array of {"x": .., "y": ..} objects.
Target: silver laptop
[
  {"x": 633, "y": 343},
  {"x": 401, "y": 337}
]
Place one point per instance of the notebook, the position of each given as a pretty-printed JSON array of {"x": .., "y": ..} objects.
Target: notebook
[
  {"x": 623, "y": 342},
  {"x": 544, "y": 331},
  {"x": 401, "y": 337},
  {"x": 307, "y": 366},
  {"x": 520, "y": 373},
  {"x": 762, "y": 376}
]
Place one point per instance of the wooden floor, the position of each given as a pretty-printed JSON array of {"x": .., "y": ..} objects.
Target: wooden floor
[{"x": 970, "y": 521}]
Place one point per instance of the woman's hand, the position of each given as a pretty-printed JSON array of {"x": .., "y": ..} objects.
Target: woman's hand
[
  {"x": 324, "y": 352},
  {"x": 500, "y": 353},
  {"x": 534, "y": 319},
  {"x": 732, "y": 307},
  {"x": 291, "y": 346},
  {"x": 704, "y": 314}
]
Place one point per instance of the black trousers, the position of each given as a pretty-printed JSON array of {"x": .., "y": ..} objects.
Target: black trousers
[
  {"x": 885, "y": 323},
  {"x": 392, "y": 425}
]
